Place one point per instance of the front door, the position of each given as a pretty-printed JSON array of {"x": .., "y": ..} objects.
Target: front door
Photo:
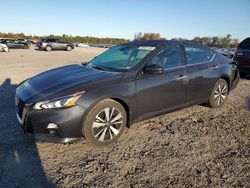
[{"x": 157, "y": 92}]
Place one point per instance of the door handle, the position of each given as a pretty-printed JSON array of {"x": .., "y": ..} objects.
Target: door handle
[
  {"x": 215, "y": 66},
  {"x": 181, "y": 77}
]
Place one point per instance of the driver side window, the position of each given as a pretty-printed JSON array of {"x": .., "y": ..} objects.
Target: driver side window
[{"x": 167, "y": 58}]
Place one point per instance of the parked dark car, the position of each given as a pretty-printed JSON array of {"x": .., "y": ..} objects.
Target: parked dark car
[
  {"x": 242, "y": 57},
  {"x": 49, "y": 44},
  {"x": 126, "y": 84},
  {"x": 25, "y": 41},
  {"x": 14, "y": 43},
  {"x": 227, "y": 53}
]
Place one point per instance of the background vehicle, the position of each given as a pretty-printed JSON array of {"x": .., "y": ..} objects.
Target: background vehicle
[
  {"x": 83, "y": 45},
  {"x": 13, "y": 43},
  {"x": 4, "y": 48},
  {"x": 54, "y": 44},
  {"x": 227, "y": 53},
  {"x": 25, "y": 41},
  {"x": 128, "y": 83},
  {"x": 242, "y": 57}
]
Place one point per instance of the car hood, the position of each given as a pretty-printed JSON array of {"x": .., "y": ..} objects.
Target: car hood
[
  {"x": 3, "y": 45},
  {"x": 65, "y": 81}
]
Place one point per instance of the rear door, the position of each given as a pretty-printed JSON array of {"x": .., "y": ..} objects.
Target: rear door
[
  {"x": 55, "y": 44},
  {"x": 202, "y": 72},
  {"x": 157, "y": 92},
  {"x": 61, "y": 44},
  {"x": 10, "y": 43},
  {"x": 19, "y": 44}
]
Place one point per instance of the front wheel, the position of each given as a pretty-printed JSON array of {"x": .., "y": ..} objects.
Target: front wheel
[
  {"x": 48, "y": 48},
  {"x": 104, "y": 123},
  {"x": 69, "y": 48},
  {"x": 218, "y": 94}
]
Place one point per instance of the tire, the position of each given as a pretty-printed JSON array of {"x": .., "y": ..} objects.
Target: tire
[
  {"x": 25, "y": 46},
  {"x": 69, "y": 48},
  {"x": 98, "y": 127},
  {"x": 219, "y": 94},
  {"x": 48, "y": 48}
]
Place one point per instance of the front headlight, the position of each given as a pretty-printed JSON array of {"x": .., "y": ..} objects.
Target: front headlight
[{"x": 57, "y": 103}]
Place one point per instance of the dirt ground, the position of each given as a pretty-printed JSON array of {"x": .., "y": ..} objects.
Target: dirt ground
[{"x": 196, "y": 146}]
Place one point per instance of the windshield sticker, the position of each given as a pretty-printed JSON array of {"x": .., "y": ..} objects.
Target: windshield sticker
[{"x": 150, "y": 48}]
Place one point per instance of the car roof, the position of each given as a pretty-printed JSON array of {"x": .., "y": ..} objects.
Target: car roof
[
  {"x": 7, "y": 39},
  {"x": 245, "y": 40},
  {"x": 156, "y": 43},
  {"x": 51, "y": 38}
]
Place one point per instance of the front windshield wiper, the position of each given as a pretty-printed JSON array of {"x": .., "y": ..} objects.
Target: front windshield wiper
[{"x": 97, "y": 67}]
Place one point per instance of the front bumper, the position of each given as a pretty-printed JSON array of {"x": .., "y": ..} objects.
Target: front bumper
[
  {"x": 40, "y": 46},
  {"x": 68, "y": 121}
]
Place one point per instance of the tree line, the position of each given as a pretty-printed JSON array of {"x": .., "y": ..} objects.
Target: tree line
[
  {"x": 147, "y": 36},
  {"x": 219, "y": 42},
  {"x": 67, "y": 38}
]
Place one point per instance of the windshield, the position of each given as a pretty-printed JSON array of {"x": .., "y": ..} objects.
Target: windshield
[{"x": 121, "y": 57}]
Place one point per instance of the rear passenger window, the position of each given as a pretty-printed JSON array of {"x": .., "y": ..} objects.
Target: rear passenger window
[
  {"x": 210, "y": 54},
  {"x": 51, "y": 40},
  {"x": 167, "y": 58},
  {"x": 195, "y": 55}
]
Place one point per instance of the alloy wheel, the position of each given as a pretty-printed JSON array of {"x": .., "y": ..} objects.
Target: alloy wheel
[
  {"x": 107, "y": 124},
  {"x": 69, "y": 48},
  {"x": 220, "y": 94}
]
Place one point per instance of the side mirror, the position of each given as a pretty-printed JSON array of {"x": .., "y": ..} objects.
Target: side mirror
[{"x": 153, "y": 69}]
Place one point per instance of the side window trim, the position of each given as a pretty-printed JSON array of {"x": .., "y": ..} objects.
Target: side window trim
[{"x": 173, "y": 68}]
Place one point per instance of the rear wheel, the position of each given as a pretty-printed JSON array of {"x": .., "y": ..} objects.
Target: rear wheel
[
  {"x": 25, "y": 46},
  {"x": 69, "y": 48},
  {"x": 104, "y": 123},
  {"x": 218, "y": 94}
]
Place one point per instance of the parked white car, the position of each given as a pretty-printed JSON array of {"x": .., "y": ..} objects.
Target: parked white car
[
  {"x": 82, "y": 45},
  {"x": 4, "y": 48}
]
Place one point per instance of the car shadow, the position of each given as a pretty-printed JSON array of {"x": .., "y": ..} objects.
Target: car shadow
[{"x": 20, "y": 164}]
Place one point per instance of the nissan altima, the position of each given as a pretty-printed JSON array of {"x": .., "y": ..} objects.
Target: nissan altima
[{"x": 128, "y": 83}]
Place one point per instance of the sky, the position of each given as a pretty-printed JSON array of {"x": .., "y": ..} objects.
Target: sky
[{"x": 124, "y": 18}]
